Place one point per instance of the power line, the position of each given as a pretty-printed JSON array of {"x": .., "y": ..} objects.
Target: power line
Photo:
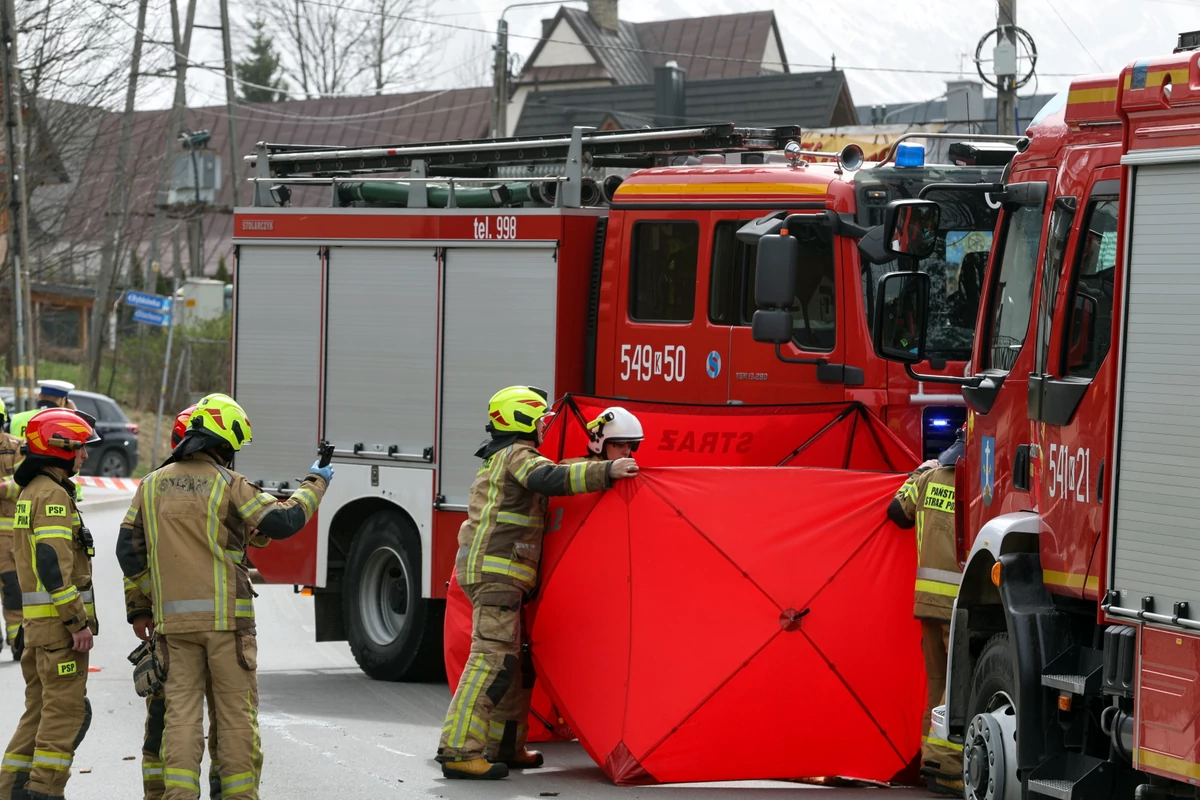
[{"x": 1071, "y": 31}]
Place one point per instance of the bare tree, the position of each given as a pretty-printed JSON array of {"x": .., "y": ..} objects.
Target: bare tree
[
  {"x": 332, "y": 47},
  {"x": 475, "y": 69},
  {"x": 398, "y": 41}
]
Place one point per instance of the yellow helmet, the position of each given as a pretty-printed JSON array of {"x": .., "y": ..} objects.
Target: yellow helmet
[
  {"x": 516, "y": 409},
  {"x": 221, "y": 416}
]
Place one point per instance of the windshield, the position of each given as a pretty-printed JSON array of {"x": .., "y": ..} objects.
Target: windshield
[{"x": 955, "y": 271}]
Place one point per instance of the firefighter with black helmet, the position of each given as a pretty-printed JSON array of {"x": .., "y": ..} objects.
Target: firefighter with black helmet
[
  {"x": 53, "y": 552},
  {"x": 499, "y": 552},
  {"x": 927, "y": 500},
  {"x": 182, "y": 548},
  {"x": 10, "y": 587}
]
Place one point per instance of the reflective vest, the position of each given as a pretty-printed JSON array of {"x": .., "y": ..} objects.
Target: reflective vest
[{"x": 928, "y": 498}]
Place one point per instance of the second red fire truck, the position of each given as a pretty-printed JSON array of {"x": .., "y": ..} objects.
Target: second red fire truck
[{"x": 1075, "y": 654}]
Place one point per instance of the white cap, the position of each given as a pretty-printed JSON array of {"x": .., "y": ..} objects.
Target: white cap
[
  {"x": 614, "y": 423},
  {"x": 56, "y": 388}
]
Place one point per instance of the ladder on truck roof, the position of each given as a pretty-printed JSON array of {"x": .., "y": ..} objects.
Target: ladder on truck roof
[{"x": 475, "y": 160}]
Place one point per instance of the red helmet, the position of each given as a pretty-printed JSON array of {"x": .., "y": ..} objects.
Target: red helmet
[
  {"x": 181, "y": 425},
  {"x": 58, "y": 433}
]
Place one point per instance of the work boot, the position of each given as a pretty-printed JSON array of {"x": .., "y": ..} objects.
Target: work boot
[
  {"x": 526, "y": 759},
  {"x": 477, "y": 769},
  {"x": 945, "y": 786}
]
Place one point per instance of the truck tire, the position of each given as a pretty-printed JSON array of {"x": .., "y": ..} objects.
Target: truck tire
[
  {"x": 394, "y": 633},
  {"x": 990, "y": 746}
]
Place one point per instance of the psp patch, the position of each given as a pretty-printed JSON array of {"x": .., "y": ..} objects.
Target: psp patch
[
  {"x": 67, "y": 668},
  {"x": 56, "y": 511}
]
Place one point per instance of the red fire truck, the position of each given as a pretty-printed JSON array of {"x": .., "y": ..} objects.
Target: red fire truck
[
  {"x": 1075, "y": 655},
  {"x": 378, "y": 315}
]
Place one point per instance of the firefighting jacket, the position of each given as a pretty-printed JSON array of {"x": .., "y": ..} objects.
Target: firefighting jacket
[
  {"x": 501, "y": 539},
  {"x": 53, "y": 556},
  {"x": 183, "y": 543},
  {"x": 927, "y": 498},
  {"x": 10, "y": 456}
]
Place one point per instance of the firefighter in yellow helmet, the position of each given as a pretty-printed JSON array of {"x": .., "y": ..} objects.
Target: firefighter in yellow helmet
[
  {"x": 10, "y": 587},
  {"x": 927, "y": 500},
  {"x": 499, "y": 549},
  {"x": 53, "y": 551},
  {"x": 182, "y": 548}
]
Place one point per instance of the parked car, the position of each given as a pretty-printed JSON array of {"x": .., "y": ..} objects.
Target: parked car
[{"x": 116, "y": 454}]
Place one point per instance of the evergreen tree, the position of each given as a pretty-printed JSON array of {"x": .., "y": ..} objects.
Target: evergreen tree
[
  {"x": 223, "y": 271},
  {"x": 261, "y": 68}
]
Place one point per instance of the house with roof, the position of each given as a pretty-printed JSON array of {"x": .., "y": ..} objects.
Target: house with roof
[{"x": 596, "y": 50}]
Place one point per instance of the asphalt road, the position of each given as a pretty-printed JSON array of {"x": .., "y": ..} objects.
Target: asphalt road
[{"x": 327, "y": 730}]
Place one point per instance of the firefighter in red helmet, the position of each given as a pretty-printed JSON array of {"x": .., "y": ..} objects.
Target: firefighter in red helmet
[
  {"x": 53, "y": 551},
  {"x": 926, "y": 500}
]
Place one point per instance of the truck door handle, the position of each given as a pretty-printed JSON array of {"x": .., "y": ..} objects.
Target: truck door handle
[{"x": 1020, "y": 476}]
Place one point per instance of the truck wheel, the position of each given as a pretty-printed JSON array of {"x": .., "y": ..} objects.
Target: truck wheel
[
  {"x": 990, "y": 747},
  {"x": 394, "y": 633}
]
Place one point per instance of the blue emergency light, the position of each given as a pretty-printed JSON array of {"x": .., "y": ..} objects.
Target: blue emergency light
[
  {"x": 910, "y": 155},
  {"x": 939, "y": 423}
]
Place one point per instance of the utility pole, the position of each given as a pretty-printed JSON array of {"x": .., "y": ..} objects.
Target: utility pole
[
  {"x": 229, "y": 100},
  {"x": 22, "y": 372},
  {"x": 500, "y": 81},
  {"x": 1005, "y": 62},
  {"x": 182, "y": 47},
  {"x": 118, "y": 211}
]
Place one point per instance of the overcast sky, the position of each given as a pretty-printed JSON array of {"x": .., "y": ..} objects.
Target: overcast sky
[{"x": 1072, "y": 37}]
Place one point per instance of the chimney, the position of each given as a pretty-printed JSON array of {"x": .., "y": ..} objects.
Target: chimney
[
  {"x": 547, "y": 25},
  {"x": 964, "y": 101},
  {"x": 670, "y": 95},
  {"x": 604, "y": 14}
]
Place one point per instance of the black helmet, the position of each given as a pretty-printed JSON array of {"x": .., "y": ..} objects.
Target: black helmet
[{"x": 955, "y": 451}]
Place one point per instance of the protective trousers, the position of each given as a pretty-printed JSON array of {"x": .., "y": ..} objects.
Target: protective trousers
[
  {"x": 938, "y": 756},
  {"x": 490, "y": 707},
  {"x": 227, "y": 660},
  {"x": 57, "y": 716},
  {"x": 152, "y": 763},
  {"x": 10, "y": 587}
]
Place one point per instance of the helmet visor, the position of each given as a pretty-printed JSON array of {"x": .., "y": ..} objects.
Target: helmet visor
[{"x": 91, "y": 421}]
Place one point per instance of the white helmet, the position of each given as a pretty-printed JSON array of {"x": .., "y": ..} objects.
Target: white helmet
[{"x": 614, "y": 424}]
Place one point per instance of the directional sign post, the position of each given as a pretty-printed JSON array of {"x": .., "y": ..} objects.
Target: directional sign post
[
  {"x": 151, "y": 317},
  {"x": 150, "y": 302}
]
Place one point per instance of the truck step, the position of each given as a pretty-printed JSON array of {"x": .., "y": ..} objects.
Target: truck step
[
  {"x": 1072, "y": 776},
  {"x": 1079, "y": 671}
]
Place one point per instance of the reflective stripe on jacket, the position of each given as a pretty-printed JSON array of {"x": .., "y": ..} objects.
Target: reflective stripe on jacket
[
  {"x": 53, "y": 567},
  {"x": 501, "y": 539},
  {"x": 927, "y": 497}
]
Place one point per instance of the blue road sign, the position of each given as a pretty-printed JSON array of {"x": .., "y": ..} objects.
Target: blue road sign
[
  {"x": 151, "y": 317},
  {"x": 154, "y": 302}
]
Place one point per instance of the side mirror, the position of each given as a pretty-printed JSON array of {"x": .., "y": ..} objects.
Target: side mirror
[
  {"x": 901, "y": 317},
  {"x": 773, "y": 326},
  {"x": 775, "y": 272},
  {"x": 910, "y": 227}
]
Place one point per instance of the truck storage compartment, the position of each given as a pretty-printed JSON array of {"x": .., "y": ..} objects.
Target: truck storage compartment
[
  {"x": 1156, "y": 515},
  {"x": 498, "y": 329},
  {"x": 277, "y": 359},
  {"x": 381, "y": 351}
]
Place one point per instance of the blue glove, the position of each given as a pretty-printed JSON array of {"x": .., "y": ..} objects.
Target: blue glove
[{"x": 325, "y": 472}]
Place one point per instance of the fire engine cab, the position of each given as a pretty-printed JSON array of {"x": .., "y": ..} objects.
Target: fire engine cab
[
  {"x": 378, "y": 313},
  {"x": 1074, "y": 668}
]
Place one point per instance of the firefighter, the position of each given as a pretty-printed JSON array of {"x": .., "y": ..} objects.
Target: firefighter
[
  {"x": 156, "y": 705},
  {"x": 51, "y": 394},
  {"x": 10, "y": 587},
  {"x": 497, "y": 566},
  {"x": 203, "y": 612},
  {"x": 927, "y": 500},
  {"x": 53, "y": 552},
  {"x": 616, "y": 433}
]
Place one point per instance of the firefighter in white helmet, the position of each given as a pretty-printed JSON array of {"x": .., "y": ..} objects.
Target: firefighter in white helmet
[{"x": 616, "y": 433}]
